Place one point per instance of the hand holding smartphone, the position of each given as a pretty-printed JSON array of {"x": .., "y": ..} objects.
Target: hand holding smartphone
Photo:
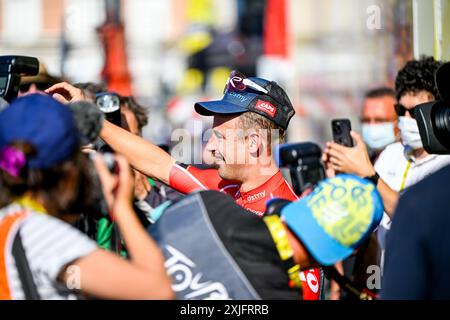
[{"x": 341, "y": 132}]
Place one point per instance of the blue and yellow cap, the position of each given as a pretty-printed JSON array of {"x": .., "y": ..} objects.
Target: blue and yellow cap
[{"x": 334, "y": 219}]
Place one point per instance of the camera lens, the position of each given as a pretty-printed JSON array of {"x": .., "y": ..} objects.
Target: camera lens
[
  {"x": 441, "y": 115},
  {"x": 337, "y": 127}
]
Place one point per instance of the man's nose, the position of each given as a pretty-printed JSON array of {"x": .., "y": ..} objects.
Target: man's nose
[{"x": 211, "y": 145}]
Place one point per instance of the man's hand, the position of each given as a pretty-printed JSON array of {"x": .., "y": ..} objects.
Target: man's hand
[
  {"x": 65, "y": 93},
  {"x": 349, "y": 160},
  {"x": 329, "y": 170}
]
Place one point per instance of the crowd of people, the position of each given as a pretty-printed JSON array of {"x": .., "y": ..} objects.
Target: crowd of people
[{"x": 57, "y": 243}]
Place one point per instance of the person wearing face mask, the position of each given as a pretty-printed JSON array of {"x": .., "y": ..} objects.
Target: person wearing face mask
[
  {"x": 379, "y": 129},
  {"x": 379, "y": 120},
  {"x": 402, "y": 164}
]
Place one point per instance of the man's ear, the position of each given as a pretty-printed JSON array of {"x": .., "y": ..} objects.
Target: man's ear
[{"x": 255, "y": 144}]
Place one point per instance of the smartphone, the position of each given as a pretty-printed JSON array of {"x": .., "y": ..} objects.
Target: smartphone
[{"x": 341, "y": 132}]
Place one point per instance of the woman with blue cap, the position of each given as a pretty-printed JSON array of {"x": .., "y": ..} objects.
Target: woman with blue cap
[{"x": 45, "y": 183}]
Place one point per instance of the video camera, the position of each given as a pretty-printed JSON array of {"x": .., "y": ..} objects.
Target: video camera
[
  {"x": 109, "y": 104},
  {"x": 433, "y": 118},
  {"x": 304, "y": 163},
  {"x": 12, "y": 68}
]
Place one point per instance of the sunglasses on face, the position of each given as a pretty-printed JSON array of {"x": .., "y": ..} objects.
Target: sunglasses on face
[
  {"x": 401, "y": 111},
  {"x": 238, "y": 82},
  {"x": 41, "y": 86}
]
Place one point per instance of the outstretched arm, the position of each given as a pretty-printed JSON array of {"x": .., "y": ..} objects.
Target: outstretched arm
[{"x": 140, "y": 153}]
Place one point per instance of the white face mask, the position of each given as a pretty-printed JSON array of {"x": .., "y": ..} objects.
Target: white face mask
[
  {"x": 409, "y": 132},
  {"x": 378, "y": 136}
]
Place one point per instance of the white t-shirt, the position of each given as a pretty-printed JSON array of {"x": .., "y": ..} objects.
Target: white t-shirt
[
  {"x": 400, "y": 170},
  {"x": 50, "y": 245},
  {"x": 392, "y": 165}
]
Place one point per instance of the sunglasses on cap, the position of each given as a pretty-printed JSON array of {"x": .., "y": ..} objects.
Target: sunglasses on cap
[
  {"x": 401, "y": 110},
  {"x": 238, "y": 82}
]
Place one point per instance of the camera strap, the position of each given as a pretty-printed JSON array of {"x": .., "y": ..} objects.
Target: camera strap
[
  {"x": 279, "y": 236},
  {"x": 23, "y": 269}
]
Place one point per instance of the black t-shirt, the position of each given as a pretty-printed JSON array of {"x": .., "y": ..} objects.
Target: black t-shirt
[{"x": 417, "y": 264}]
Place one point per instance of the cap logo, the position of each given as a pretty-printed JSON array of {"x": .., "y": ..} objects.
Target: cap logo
[
  {"x": 238, "y": 96},
  {"x": 266, "y": 107},
  {"x": 237, "y": 83}
]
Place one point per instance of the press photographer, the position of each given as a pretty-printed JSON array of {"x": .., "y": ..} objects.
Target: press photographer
[
  {"x": 418, "y": 246},
  {"x": 46, "y": 182},
  {"x": 130, "y": 115},
  {"x": 433, "y": 118}
]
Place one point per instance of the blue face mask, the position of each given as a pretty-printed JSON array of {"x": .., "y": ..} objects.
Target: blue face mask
[{"x": 378, "y": 136}]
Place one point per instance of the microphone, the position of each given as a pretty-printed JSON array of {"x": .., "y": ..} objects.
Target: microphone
[{"x": 88, "y": 119}]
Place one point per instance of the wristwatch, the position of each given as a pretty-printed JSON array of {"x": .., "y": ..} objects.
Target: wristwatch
[{"x": 373, "y": 179}]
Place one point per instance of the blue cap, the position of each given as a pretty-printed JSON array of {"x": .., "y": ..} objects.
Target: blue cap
[
  {"x": 333, "y": 220},
  {"x": 253, "y": 94},
  {"x": 43, "y": 122}
]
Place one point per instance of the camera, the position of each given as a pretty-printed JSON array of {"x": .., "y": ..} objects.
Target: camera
[
  {"x": 100, "y": 208},
  {"x": 433, "y": 118},
  {"x": 304, "y": 163},
  {"x": 111, "y": 163},
  {"x": 109, "y": 105},
  {"x": 11, "y": 70}
]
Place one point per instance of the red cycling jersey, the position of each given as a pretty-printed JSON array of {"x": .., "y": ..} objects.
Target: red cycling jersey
[{"x": 186, "y": 179}]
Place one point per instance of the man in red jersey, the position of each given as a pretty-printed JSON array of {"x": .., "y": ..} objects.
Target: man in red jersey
[{"x": 251, "y": 117}]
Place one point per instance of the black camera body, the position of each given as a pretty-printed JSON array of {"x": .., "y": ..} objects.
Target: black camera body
[
  {"x": 433, "y": 118},
  {"x": 11, "y": 70},
  {"x": 303, "y": 159}
]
